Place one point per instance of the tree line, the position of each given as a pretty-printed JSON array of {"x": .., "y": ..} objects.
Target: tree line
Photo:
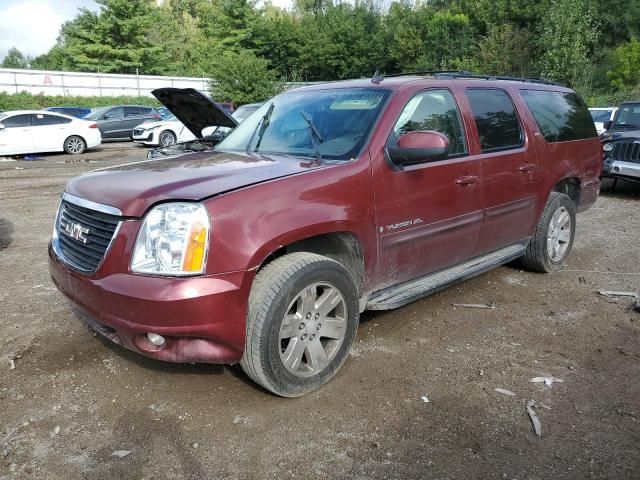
[{"x": 590, "y": 45}]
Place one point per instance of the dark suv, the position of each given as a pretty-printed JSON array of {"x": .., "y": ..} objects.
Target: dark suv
[
  {"x": 328, "y": 200},
  {"x": 621, "y": 143},
  {"x": 119, "y": 121}
]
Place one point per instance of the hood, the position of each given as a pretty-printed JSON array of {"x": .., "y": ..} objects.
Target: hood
[
  {"x": 194, "y": 109},
  {"x": 135, "y": 187},
  {"x": 613, "y": 135}
]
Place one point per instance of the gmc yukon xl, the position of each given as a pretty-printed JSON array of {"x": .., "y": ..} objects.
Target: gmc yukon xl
[{"x": 328, "y": 200}]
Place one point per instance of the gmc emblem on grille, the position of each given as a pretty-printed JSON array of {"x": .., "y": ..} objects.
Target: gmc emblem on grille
[{"x": 76, "y": 231}]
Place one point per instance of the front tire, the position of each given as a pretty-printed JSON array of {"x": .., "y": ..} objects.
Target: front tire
[
  {"x": 166, "y": 138},
  {"x": 302, "y": 319},
  {"x": 74, "y": 145},
  {"x": 553, "y": 238}
]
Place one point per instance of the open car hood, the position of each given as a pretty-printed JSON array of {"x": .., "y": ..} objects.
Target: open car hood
[{"x": 194, "y": 109}]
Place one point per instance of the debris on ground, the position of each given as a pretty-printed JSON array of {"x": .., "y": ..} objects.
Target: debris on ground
[
  {"x": 238, "y": 419},
  {"x": 636, "y": 307},
  {"x": 503, "y": 391},
  {"x": 481, "y": 306},
  {"x": 120, "y": 453},
  {"x": 424, "y": 399},
  {"x": 12, "y": 433},
  {"x": 537, "y": 426},
  {"x": 548, "y": 381},
  {"x": 56, "y": 430},
  {"x": 607, "y": 293},
  {"x": 195, "y": 446},
  {"x": 12, "y": 364}
]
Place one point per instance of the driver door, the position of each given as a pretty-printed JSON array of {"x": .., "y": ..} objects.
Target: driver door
[{"x": 429, "y": 215}]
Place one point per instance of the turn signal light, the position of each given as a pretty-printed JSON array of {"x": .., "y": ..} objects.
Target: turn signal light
[{"x": 196, "y": 246}]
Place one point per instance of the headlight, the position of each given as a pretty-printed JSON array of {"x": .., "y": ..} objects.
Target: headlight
[
  {"x": 173, "y": 240},
  {"x": 607, "y": 147}
]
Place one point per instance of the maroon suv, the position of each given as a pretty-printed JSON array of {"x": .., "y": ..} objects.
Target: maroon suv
[{"x": 327, "y": 201}]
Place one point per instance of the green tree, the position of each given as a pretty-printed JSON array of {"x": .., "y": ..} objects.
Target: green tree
[
  {"x": 505, "y": 50},
  {"x": 116, "y": 39},
  {"x": 241, "y": 77},
  {"x": 626, "y": 72},
  {"x": 447, "y": 41},
  {"x": 15, "y": 59},
  {"x": 569, "y": 35}
]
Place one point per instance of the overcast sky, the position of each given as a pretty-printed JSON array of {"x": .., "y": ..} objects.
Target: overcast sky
[{"x": 32, "y": 26}]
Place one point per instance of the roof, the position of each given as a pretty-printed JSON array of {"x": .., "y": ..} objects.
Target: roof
[
  {"x": 397, "y": 82},
  {"x": 34, "y": 112}
]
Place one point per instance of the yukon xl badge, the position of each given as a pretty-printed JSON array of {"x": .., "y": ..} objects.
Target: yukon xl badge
[{"x": 76, "y": 231}]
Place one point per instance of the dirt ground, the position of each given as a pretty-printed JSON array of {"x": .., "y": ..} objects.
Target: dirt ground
[{"x": 73, "y": 399}]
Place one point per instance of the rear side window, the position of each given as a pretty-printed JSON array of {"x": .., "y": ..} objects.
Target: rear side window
[
  {"x": 560, "y": 116},
  {"x": 41, "y": 119},
  {"x": 131, "y": 111},
  {"x": 17, "y": 121},
  {"x": 433, "y": 110},
  {"x": 496, "y": 119}
]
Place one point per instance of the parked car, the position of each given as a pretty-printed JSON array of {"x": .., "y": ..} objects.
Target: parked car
[
  {"x": 329, "y": 200},
  {"x": 119, "y": 121},
  {"x": 169, "y": 131},
  {"x": 621, "y": 143},
  {"x": 32, "y": 131},
  {"x": 78, "y": 112},
  {"x": 601, "y": 116}
]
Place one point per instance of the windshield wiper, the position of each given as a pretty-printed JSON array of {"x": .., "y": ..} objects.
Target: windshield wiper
[
  {"x": 260, "y": 129},
  {"x": 316, "y": 138}
]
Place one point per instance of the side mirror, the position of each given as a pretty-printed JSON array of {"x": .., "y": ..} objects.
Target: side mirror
[
  {"x": 607, "y": 125},
  {"x": 419, "y": 147}
]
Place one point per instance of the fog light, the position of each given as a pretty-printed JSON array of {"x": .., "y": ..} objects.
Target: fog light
[{"x": 157, "y": 340}]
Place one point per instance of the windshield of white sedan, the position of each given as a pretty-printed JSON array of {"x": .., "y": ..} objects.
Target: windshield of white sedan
[{"x": 329, "y": 124}]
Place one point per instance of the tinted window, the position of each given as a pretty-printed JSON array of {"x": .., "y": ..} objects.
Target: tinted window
[
  {"x": 115, "y": 113},
  {"x": 17, "y": 121},
  {"x": 40, "y": 119},
  {"x": 433, "y": 110},
  {"x": 628, "y": 116},
  {"x": 560, "y": 116},
  {"x": 131, "y": 111},
  {"x": 146, "y": 111},
  {"x": 600, "y": 115},
  {"x": 496, "y": 119}
]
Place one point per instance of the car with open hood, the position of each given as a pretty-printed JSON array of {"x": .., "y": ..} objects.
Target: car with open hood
[
  {"x": 171, "y": 131},
  {"x": 621, "y": 144},
  {"x": 330, "y": 199}
]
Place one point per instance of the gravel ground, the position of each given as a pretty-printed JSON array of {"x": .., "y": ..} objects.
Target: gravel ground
[{"x": 73, "y": 399}]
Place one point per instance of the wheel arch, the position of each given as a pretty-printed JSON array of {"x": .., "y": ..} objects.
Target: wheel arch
[
  {"x": 570, "y": 186},
  {"x": 345, "y": 247}
]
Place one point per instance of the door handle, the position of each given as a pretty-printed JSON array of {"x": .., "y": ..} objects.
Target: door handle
[
  {"x": 527, "y": 167},
  {"x": 466, "y": 180}
]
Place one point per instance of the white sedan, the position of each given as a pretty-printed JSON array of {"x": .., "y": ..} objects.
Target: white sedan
[
  {"x": 32, "y": 131},
  {"x": 162, "y": 133}
]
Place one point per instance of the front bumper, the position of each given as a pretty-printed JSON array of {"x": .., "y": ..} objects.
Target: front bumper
[
  {"x": 617, "y": 168},
  {"x": 202, "y": 318},
  {"x": 144, "y": 138}
]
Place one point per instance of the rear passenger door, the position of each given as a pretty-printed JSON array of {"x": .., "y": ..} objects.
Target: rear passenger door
[
  {"x": 50, "y": 132},
  {"x": 133, "y": 116},
  {"x": 508, "y": 164}
]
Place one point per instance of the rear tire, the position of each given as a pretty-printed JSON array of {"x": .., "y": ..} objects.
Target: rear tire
[
  {"x": 302, "y": 319},
  {"x": 166, "y": 138},
  {"x": 74, "y": 145},
  {"x": 553, "y": 238}
]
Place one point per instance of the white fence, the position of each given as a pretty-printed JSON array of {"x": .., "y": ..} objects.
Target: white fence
[{"x": 91, "y": 84}]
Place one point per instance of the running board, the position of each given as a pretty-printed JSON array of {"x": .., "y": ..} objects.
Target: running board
[{"x": 407, "y": 292}]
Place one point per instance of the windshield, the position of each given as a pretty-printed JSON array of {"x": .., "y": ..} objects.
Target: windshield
[
  {"x": 600, "y": 115},
  {"x": 342, "y": 117},
  {"x": 96, "y": 112},
  {"x": 628, "y": 116}
]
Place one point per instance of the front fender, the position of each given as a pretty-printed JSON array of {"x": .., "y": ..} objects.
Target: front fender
[{"x": 251, "y": 223}]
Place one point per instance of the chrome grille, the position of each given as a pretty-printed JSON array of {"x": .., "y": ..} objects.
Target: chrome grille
[
  {"x": 627, "y": 151},
  {"x": 84, "y": 253}
]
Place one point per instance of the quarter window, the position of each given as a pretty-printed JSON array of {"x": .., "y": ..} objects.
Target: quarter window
[
  {"x": 17, "y": 121},
  {"x": 561, "y": 116},
  {"x": 433, "y": 110},
  {"x": 496, "y": 119}
]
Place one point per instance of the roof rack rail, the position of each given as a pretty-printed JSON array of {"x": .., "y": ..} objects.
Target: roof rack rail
[{"x": 463, "y": 74}]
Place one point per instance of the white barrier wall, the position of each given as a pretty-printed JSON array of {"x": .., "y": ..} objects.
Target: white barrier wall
[{"x": 91, "y": 84}]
